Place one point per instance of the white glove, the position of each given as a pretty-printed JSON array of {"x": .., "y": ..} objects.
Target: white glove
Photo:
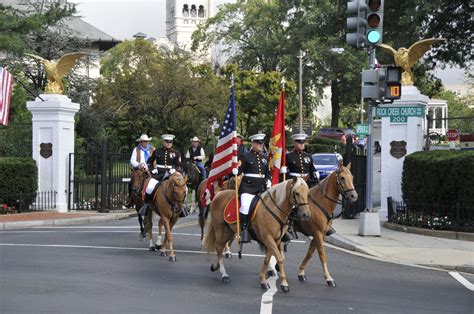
[
  {"x": 235, "y": 171},
  {"x": 154, "y": 171},
  {"x": 143, "y": 166},
  {"x": 269, "y": 184},
  {"x": 171, "y": 171},
  {"x": 283, "y": 170}
]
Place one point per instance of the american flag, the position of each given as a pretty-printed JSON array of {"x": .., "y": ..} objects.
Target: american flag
[
  {"x": 6, "y": 88},
  {"x": 225, "y": 155}
]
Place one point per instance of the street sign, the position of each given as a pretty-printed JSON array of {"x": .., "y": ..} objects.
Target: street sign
[
  {"x": 452, "y": 135},
  {"x": 400, "y": 114},
  {"x": 362, "y": 130}
]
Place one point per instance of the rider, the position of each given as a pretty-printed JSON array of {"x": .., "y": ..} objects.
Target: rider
[
  {"x": 139, "y": 158},
  {"x": 241, "y": 148},
  {"x": 300, "y": 164},
  {"x": 196, "y": 154},
  {"x": 256, "y": 178}
]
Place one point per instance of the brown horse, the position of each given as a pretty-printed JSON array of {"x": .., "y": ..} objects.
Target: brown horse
[
  {"x": 194, "y": 180},
  {"x": 168, "y": 201},
  {"x": 269, "y": 225},
  {"x": 322, "y": 203},
  {"x": 139, "y": 175}
]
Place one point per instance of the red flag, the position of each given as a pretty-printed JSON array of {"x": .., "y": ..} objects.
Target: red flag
[
  {"x": 6, "y": 88},
  {"x": 277, "y": 141},
  {"x": 225, "y": 155}
]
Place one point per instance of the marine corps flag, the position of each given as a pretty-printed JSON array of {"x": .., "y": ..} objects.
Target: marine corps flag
[{"x": 277, "y": 141}]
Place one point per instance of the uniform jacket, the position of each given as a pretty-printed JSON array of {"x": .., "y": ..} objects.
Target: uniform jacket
[
  {"x": 165, "y": 159},
  {"x": 301, "y": 163},
  {"x": 254, "y": 163}
]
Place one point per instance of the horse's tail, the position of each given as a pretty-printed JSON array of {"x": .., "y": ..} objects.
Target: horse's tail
[{"x": 210, "y": 238}]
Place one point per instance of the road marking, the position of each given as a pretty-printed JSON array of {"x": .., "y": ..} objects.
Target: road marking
[
  {"x": 108, "y": 248},
  {"x": 267, "y": 298},
  {"x": 93, "y": 231},
  {"x": 186, "y": 224},
  {"x": 462, "y": 280}
]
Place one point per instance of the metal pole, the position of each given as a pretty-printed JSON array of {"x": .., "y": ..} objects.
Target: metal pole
[
  {"x": 361, "y": 111},
  {"x": 103, "y": 179},
  {"x": 301, "y": 90},
  {"x": 370, "y": 153}
]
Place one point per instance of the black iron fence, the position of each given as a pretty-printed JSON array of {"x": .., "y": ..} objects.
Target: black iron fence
[
  {"x": 357, "y": 156},
  {"x": 437, "y": 217},
  {"x": 44, "y": 200}
]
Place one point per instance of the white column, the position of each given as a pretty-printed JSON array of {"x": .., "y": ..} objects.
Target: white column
[{"x": 53, "y": 124}]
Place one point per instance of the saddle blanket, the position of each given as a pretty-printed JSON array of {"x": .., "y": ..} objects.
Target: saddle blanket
[
  {"x": 230, "y": 214},
  {"x": 151, "y": 186}
]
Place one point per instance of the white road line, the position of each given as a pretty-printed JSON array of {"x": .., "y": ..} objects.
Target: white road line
[
  {"x": 267, "y": 298},
  {"x": 106, "y": 248},
  {"x": 93, "y": 231},
  {"x": 462, "y": 280}
]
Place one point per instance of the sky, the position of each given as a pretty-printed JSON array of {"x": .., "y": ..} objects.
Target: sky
[{"x": 123, "y": 18}]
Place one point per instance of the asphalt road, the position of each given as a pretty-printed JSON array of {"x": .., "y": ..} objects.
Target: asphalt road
[{"x": 104, "y": 268}]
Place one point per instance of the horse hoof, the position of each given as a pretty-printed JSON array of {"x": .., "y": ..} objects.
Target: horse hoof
[
  {"x": 226, "y": 279},
  {"x": 151, "y": 249},
  {"x": 302, "y": 278},
  {"x": 172, "y": 259},
  {"x": 270, "y": 273},
  {"x": 285, "y": 288},
  {"x": 277, "y": 267},
  {"x": 158, "y": 247},
  {"x": 163, "y": 253},
  {"x": 265, "y": 286},
  {"x": 331, "y": 283},
  {"x": 240, "y": 255},
  {"x": 214, "y": 268},
  {"x": 228, "y": 255}
]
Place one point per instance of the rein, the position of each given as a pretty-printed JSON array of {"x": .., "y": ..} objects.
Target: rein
[{"x": 170, "y": 203}]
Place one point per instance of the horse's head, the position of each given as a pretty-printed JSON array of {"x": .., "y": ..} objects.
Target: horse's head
[
  {"x": 192, "y": 173},
  {"x": 139, "y": 175},
  {"x": 345, "y": 184},
  {"x": 179, "y": 188},
  {"x": 299, "y": 198}
]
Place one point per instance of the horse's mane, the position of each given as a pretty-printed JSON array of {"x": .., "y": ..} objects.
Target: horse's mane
[{"x": 279, "y": 190}]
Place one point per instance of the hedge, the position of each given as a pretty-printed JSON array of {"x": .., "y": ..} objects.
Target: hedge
[
  {"x": 439, "y": 178},
  {"x": 18, "y": 175}
]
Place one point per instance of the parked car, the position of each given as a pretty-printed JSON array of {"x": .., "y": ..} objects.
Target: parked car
[
  {"x": 335, "y": 133},
  {"x": 326, "y": 163}
]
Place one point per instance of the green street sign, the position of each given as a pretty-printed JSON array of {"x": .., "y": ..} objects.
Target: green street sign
[
  {"x": 362, "y": 130},
  {"x": 400, "y": 114}
]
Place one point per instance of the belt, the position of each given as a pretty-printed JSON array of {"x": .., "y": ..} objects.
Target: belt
[
  {"x": 163, "y": 167},
  {"x": 294, "y": 174},
  {"x": 254, "y": 175}
]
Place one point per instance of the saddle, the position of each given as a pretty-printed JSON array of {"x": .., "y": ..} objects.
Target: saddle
[{"x": 230, "y": 214}]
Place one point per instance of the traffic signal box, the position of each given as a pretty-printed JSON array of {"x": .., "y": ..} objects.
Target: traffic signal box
[
  {"x": 382, "y": 83},
  {"x": 356, "y": 23},
  {"x": 393, "y": 87},
  {"x": 374, "y": 21}
]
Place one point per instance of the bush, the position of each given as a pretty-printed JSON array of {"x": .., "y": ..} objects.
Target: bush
[
  {"x": 18, "y": 175},
  {"x": 439, "y": 178}
]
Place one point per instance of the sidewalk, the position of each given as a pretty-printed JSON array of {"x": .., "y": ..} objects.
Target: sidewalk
[
  {"x": 52, "y": 218},
  {"x": 405, "y": 248}
]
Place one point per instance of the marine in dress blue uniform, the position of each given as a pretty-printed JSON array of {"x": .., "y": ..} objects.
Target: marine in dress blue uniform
[{"x": 300, "y": 163}]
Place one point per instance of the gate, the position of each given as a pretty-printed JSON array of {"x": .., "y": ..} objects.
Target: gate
[
  {"x": 358, "y": 159},
  {"x": 99, "y": 180}
]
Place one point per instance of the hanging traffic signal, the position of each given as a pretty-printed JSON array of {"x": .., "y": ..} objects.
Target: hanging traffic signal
[
  {"x": 356, "y": 23},
  {"x": 374, "y": 21},
  {"x": 393, "y": 87}
]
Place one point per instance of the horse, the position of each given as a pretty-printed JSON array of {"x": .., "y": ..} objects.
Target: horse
[
  {"x": 168, "y": 200},
  {"x": 322, "y": 203},
  {"x": 194, "y": 179},
  {"x": 139, "y": 176},
  {"x": 268, "y": 226}
]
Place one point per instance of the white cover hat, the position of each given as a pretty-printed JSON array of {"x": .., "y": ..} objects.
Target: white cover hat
[
  {"x": 168, "y": 137},
  {"x": 299, "y": 137},
  {"x": 257, "y": 137},
  {"x": 195, "y": 139},
  {"x": 144, "y": 138}
]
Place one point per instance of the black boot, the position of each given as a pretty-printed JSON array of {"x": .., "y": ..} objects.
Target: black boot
[
  {"x": 142, "y": 211},
  {"x": 287, "y": 237},
  {"x": 330, "y": 231},
  {"x": 184, "y": 212},
  {"x": 244, "y": 235}
]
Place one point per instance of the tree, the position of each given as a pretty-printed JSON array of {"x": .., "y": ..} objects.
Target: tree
[{"x": 459, "y": 107}]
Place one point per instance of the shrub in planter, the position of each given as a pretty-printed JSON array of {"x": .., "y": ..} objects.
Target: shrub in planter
[{"x": 18, "y": 175}]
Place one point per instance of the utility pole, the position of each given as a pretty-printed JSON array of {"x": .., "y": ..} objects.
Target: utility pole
[
  {"x": 370, "y": 153},
  {"x": 301, "y": 89}
]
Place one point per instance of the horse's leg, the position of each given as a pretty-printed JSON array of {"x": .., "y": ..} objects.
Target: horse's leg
[
  {"x": 161, "y": 241},
  {"x": 202, "y": 221},
  {"x": 169, "y": 239},
  {"x": 273, "y": 249},
  {"x": 227, "y": 252},
  {"x": 263, "y": 272},
  {"x": 140, "y": 220},
  {"x": 322, "y": 257},
  {"x": 220, "y": 243},
  {"x": 309, "y": 254},
  {"x": 149, "y": 231}
]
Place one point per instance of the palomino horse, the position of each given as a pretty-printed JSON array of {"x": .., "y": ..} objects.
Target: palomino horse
[
  {"x": 269, "y": 225},
  {"x": 139, "y": 175},
  {"x": 194, "y": 179},
  {"x": 168, "y": 201},
  {"x": 322, "y": 203}
]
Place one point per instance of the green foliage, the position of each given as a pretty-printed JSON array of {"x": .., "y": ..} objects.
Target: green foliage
[
  {"x": 439, "y": 178},
  {"x": 459, "y": 107},
  {"x": 18, "y": 175}
]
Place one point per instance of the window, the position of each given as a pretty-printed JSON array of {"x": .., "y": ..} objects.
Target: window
[
  {"x": 185, "y": 10},
  {"x": 201, "y": 11},
  {"x": 193, "y": 10}
]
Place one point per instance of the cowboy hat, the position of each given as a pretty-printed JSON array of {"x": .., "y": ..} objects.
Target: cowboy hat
[
  {"x": 144, "y": 138},
  {"x": 195, "y": 139}
]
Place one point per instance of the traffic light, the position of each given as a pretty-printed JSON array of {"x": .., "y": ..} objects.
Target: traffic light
[
  {"x": 373, "y": 84},
  {"x": 393, "y": 87},
  {"x": 374, "y": 21},
  {"x": 356, "y": 22}
]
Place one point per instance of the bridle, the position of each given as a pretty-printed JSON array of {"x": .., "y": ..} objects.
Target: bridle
[
  {"x": 175, "y": 196},
  {"x": 339, "y": 187},
  {"x": 136, "y": 188}
]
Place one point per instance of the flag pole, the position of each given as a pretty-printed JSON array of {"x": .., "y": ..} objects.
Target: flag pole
[{"x": 284, "y": 144}]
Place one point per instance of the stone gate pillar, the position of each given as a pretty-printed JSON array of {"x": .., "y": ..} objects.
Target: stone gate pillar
[{"x": 53, "y": 141}]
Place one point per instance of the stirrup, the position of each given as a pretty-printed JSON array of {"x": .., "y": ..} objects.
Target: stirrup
[{"x": 330, "y": 232}]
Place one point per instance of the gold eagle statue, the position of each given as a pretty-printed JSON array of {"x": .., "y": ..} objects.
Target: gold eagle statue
[
  {"x": 57, "y": 69},
  {"x": 406, "y": 58}
]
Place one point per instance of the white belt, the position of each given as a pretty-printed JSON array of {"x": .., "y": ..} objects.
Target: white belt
[
  {"x": 294, "y": 174},
  {"x": 254, "y": 175},
  {"x": 163, "y": 167}
]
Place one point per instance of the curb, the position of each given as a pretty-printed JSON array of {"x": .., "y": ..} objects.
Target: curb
[
  {"x": 453, "y": 235},
  {"x": 347, "y": 244},
  {"x": 65, "y": 221}
]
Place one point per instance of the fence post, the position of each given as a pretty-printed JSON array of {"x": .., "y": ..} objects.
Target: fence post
[
  {"x": 458, "y": 223},
  {"x": 103, "y": 179}
]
